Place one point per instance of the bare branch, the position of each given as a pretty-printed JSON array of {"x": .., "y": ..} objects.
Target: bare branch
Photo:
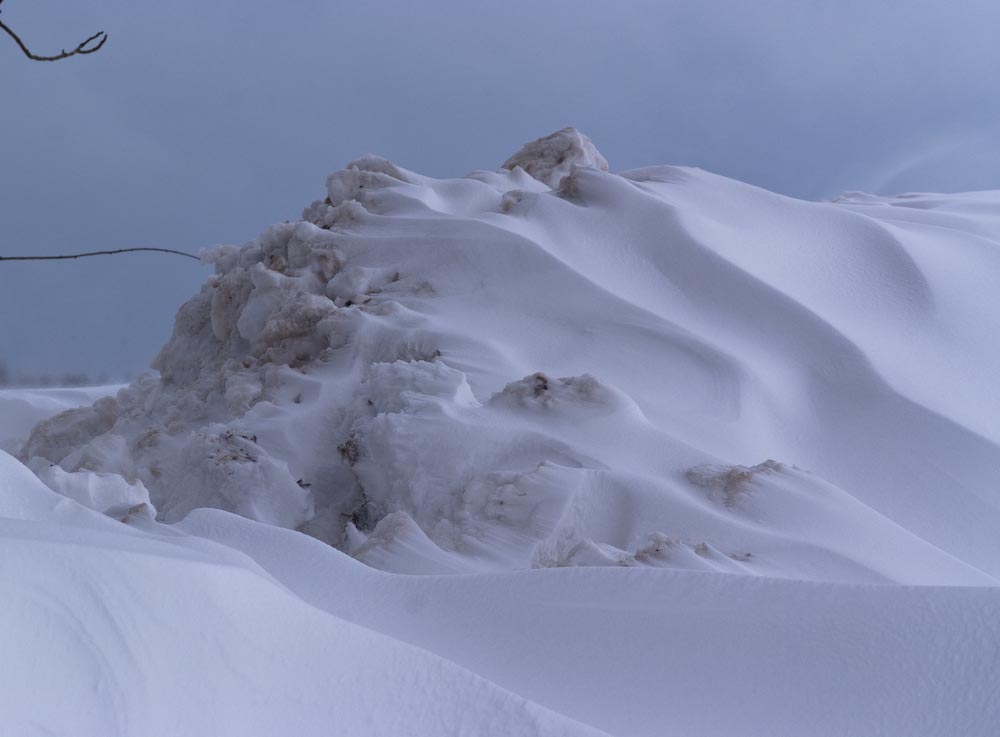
[
  {"x": 96, "y": 253},
  {"x": 87, "y": 46}
]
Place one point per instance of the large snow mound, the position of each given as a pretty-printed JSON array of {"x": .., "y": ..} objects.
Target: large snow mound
[
  {"x": 688, "y": 435},
  {"x": 487, "y": 373}
]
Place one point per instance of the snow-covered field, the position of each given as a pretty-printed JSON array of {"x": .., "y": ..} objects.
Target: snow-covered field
[{"x": 575, "y": 452}]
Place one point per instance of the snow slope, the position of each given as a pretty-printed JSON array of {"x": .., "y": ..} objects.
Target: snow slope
[
  {"x": 107, "y": 630},
  {"x": 777, "y": 414},
  {"x": 657, "y": 653}
]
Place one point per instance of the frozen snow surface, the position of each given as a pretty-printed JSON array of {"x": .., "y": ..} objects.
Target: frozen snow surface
[{"x": 714, "y": 462}]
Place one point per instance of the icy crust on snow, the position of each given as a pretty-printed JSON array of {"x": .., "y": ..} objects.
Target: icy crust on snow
[{"x": 552, "y": 365}]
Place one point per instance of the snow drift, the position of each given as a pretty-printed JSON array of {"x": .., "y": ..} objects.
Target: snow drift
[
  {"x": 107, "y": 630},
  {"x": 489, "y": 373},
  {"x": 552, "y": 366}
]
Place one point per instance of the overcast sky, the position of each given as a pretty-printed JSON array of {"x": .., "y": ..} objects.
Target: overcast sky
[{"x": 203, "y": 122}]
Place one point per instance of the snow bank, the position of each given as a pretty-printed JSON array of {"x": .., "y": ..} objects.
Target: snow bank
[
  {"x": 575, "y": 368},
  {"x": 688, "y": 436}
]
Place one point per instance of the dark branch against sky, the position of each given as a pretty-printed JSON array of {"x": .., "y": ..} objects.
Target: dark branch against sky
[
  {"x": 89, "y": 45},
  {"x": 89, "y": 254}
]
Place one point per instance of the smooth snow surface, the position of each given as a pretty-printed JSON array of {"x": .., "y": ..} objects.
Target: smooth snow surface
[
  {"x": 777, "y": 415},
  {"x": 107, "y": 630}
]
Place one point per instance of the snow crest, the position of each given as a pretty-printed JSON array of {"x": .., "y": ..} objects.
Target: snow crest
[{"x": 553, "y": 157}]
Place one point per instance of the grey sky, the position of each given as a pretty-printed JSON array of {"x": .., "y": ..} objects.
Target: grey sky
[{"x": 203, "y": 122}]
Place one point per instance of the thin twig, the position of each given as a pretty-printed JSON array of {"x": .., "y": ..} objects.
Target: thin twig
[
  {"x": 84, "y": 47},
  {"x": 97, "y": 253}
]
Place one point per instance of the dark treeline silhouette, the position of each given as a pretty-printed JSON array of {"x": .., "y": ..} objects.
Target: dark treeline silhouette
[{"x": 65, "y": 379}]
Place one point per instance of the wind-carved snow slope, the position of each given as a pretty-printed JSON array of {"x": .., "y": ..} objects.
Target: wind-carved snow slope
[
  {"x": 486, "y": 373},
  {"x": 553, "y": 366}
]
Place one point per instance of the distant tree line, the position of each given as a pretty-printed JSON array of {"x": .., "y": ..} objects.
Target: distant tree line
[{"x": 69, "y": 378}]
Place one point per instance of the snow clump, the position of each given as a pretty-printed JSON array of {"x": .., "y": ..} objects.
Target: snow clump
[{"x": 553, "y": 157}]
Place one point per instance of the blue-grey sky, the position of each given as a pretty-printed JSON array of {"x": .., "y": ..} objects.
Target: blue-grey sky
[{"x": 203, "y": 122}]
